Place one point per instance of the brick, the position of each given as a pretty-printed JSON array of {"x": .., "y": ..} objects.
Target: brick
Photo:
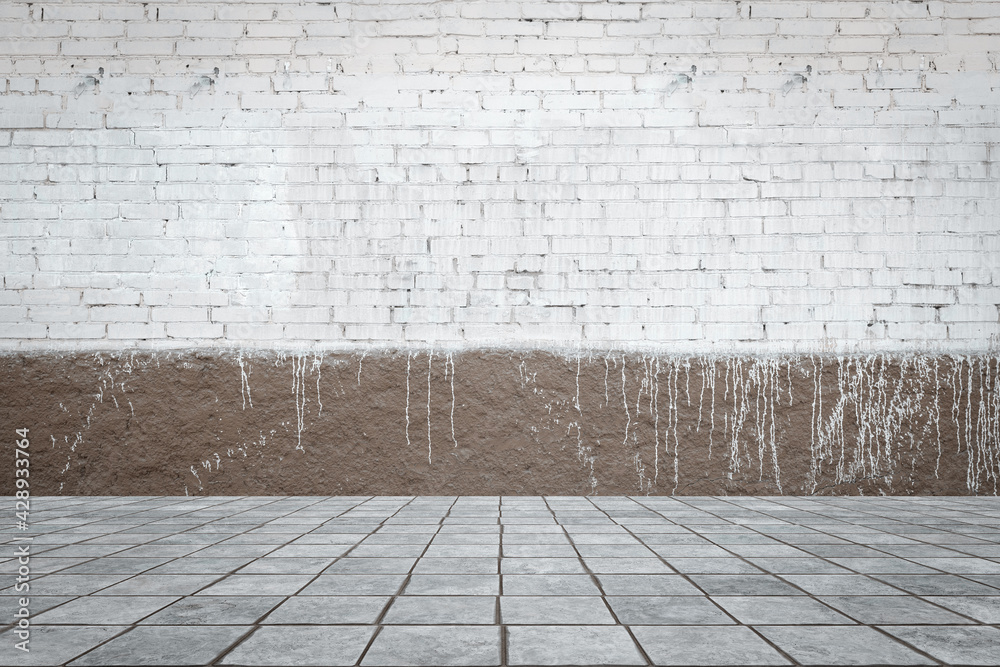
[
  {"x": 132, "y": 331},
  {"x": 76, "y": 331}
]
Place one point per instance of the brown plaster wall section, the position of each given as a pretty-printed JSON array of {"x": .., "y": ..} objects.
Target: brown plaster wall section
[{"x": 501, "y": 422}]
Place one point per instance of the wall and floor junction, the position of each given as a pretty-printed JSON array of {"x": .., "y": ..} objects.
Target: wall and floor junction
[{"x": 502, "y": 247}]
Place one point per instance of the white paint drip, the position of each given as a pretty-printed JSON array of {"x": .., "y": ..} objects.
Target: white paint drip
[
  {"x": 711, "y": 433},
  {"x": 576, "y": 398},
  {"x": 407, "y": 398},
  {"x": 606, "y": 371},
  {"x": 450, "y": 360},
  {"x": 895, "y": 415},
  {"x": 317, "y": 366},
  {"x": 981, "y": 419},
  {"x": 628, "y": 422},
  {"x": 245, "y": 380},
  {"x": 655, "y": 399},
  {"x": 430, "y": 357},
  {"x": 299, "y": 394},
  {"x": 672, "y": 418},
  {"x": 755, "y": 392},
  {"x": 687, "y": 381},
  {"x": 937, "y": 416}
]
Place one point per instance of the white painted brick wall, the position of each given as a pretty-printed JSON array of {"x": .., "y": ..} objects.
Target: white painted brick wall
[{"x": 788, "y": 174}]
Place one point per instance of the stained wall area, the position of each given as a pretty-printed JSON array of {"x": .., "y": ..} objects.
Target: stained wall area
[
  {"x": 502, "y": 422},
  {"x": 463, "y": 192}
]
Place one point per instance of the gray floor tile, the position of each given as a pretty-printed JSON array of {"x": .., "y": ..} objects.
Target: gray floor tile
[
  {"x": 392, "y": 540},
  {"x": 74, "y": 584},
  {"x": 103, "y": 610},
  {"x": 355, "y": 584},
  {"x": 742, "y": 538},
  {"x": 697, "y": 646},
  {"x": 327, "y": 538},
  {"x": 766, "y": 551},
  {"x": 298, "y": 645},
  {"x": 309, "y": 551},
  {"x": 779, "y": 610},
  {"x": 400, "y": 645},
  {"x": 465, "y": 538},
  {"x": 198, "y": 565},
  {"x": 11, "y": 604},
  {"x": 887, "y": 565},
  {"x": 986, "y": 550},
  {"x": 549, "y": 584},
  {"x": 571, "y": 645},
  {"x": 936, "y": 584},
  {"x": 371, "y": 566},
  {"x": 656, "y": 539},
  {"x": 387, "y": 550},
  {"x": 509, "y": 538},
  {"x": 957, "y": 645},
  {"x": 678, "y": 610},
  {"x": 961, "y": 565},
  {"x": 235, "y": 551},
  {"x": 159, "y": 551},
  {"x": 842, "y": 551},
  {"x": 85, "y": 551},
  {"x": 991, "y": 580},
  {"x": 615, "y": 551},
  {"x": 258, "y": 584},
  {"x": 146, "y": 645},
  {"x": 457, "y": 566},
  {"x": 442, "y": 610},
  {"x": 214, "y": 610},
  {"x": 54, "y": 644},
  {"x": 713, "y": 566},
  {"x": 542, "y": 566},
  {"x": 273, "y": 539},
  {"x": 462, "y": 551},
  {"x": 980, "y": 607},
  {"x": 834, "y": 645},
  {"x": 616, "y": 538},
  {"x": 748, "y": 584},
  {"x": 161, "y": 584},
  {"x": 41, "y": 565},
  {"x": 539, "y": 551},
  {"x": 841, "y": 584},
  {"x": 195, "y": 540},
  {"x": 692, "y": 551},
  {"x": 554, "y": 610},
  {"x": 327, "y": 610},
  {"x": 891, "y": 610},
  {"x": 915, "y": 551},
  {"x": 627, "y": 566},
  {"x": 453, "y": 584},
  {"x": 270, "y": 565},
  {"x": 646, "y": 584}
]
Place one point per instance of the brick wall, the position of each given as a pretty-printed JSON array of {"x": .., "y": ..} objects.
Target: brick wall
[{"x": 755, "y": 175}]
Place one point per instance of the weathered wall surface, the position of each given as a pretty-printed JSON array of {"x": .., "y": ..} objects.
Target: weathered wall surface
[
  {"x": 504, "y": 423},
  {"x": 187, "y": 186}
]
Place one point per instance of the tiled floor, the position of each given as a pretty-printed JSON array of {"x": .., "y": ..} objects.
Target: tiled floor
[{"x": 508, "y": 581}]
